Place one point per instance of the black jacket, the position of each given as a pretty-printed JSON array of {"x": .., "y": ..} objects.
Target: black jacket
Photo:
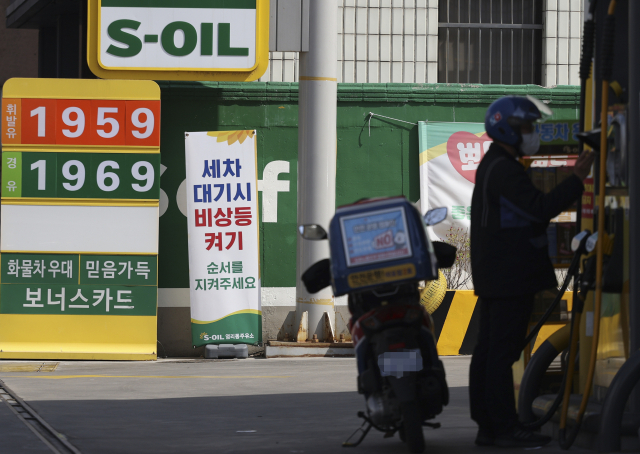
[{"x": 509, "y": 220}]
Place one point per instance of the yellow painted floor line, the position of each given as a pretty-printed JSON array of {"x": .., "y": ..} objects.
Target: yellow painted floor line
[
  {"x": 29, "y": 367},
  {"x": 62, "y": 377}
]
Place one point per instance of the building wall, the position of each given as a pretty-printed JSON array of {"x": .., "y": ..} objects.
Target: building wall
[
  {"x": 380, "y": 41},
  {"x": 382, "y": 161},
  {"x": 383, "y": 41},
  {"x": 562, "y": 44},
  {"x": 18, "y": 50}
]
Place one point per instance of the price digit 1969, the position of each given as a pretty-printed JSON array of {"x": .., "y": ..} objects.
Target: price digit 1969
[{"x": 74, "y": 171}]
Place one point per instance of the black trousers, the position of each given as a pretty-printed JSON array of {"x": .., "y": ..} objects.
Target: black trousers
[{"x": 503, "y": 328}]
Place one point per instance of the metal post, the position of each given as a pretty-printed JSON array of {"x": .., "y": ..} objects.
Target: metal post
[{"x": 317, "y": 142}]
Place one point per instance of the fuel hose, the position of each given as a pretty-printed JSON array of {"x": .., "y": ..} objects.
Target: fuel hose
[
  {"x": 566, "y": 438},
  {"x": 575, "y": 263},
  {"x": 588, "y": 45},
  {"x": 576, "y": 312},
  {"x": 559, "y": 398}
]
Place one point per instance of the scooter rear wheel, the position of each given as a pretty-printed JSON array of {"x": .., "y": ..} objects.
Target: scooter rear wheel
[{"x": 412, "y": 427}]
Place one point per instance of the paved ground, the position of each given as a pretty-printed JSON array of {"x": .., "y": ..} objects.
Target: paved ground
[{"x": 241, "y": 406}]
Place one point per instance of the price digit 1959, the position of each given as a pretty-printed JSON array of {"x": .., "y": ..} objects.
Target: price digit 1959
[{"x": 74, "y": 118}]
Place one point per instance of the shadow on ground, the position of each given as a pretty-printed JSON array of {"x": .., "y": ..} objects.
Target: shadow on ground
[{"x": 278, "y": 423}]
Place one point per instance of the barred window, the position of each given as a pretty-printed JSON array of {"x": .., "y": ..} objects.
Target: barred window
[{"x": 490, "y": 41}]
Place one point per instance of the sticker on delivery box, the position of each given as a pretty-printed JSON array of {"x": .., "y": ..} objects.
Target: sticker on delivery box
[{"x": 377, "y": 236}]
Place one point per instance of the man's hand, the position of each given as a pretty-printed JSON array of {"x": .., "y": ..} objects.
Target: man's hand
[{"x": 583, "y": 164}]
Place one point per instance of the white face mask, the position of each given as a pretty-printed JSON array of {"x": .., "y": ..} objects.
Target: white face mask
[{"x": 530, "y": 144}]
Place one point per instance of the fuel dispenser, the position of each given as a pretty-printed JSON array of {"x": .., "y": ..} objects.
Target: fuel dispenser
[{"x": 595, "y": 400}]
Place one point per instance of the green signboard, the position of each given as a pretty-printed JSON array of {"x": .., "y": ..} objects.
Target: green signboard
[
  {"x": 558, "y": 137},
  {"x": 78, "y": 284}
]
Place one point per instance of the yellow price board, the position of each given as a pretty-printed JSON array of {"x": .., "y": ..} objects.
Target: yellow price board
[{"x": 79, "y": 235}]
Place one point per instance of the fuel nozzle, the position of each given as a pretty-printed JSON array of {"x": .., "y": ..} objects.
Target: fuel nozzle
[
  {"x": 588, "y": 277},
  {"x": 579, "y": 242},
  {"x": 591, "y": 243}
]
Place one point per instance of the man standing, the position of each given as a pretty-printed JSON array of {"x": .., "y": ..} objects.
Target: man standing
[{"x": 510, "y": 262}]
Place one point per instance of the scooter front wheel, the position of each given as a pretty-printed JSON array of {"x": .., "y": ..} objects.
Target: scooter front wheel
[{"x": 412, "y": 427}]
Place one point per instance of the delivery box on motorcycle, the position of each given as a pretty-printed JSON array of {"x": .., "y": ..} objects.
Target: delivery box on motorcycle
[{"x": 377, "y": 242}]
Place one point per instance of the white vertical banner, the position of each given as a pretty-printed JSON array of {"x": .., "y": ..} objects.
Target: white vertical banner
[
  {"x": 224, "y": 266},
  {"x": 449, "y": 156}
]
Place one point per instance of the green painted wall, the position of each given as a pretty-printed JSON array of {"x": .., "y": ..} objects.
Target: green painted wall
[{"x": 384, "y": 163}]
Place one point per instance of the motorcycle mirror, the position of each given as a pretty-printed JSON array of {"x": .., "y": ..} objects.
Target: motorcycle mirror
[
  {"x": 312, "y": 232},
  {"x": 318, "y": 276},
  {"x": 436, "y": 216},
  {"x": 545, "y": 111},
  {"x": 578, "y": 241},
  {"x": 591, "y": 242},
  {"x": 445, "y": 253}
]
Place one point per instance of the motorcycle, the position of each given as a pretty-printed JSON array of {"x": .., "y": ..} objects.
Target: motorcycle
[{"x": 379, "y": 253}]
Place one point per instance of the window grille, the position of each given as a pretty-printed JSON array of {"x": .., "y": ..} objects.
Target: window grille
[{"x": 490, "y": 41}]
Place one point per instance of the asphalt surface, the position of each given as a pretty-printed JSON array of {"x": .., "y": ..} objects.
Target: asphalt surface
[{"x": 305, "y": 405}]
